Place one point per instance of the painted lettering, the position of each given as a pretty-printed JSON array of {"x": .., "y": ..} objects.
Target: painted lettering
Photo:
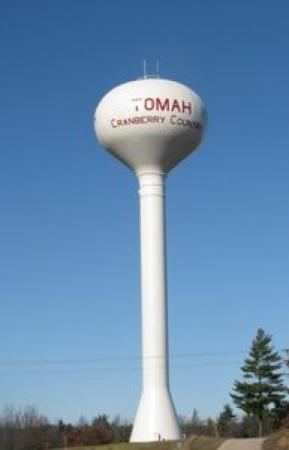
[
  {"x": 162, "y": 105},
  {"x": 136, "y": 120},
  {"x": 149, "y": 104},
  {"x": 175, "y": 106},
  {"x": 187, "y": 107},
  {"x": 166, "y": 104}
]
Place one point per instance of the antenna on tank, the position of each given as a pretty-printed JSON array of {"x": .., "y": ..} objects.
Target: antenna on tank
[
  {"x": 149, "y": 71},
  {"x": 145, "y": 69}
]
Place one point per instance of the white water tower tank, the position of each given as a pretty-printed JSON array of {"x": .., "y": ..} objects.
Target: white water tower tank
[{"x": 151, "y": 125}]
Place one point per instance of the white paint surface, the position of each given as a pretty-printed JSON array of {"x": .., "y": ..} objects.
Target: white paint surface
[
  {"x": 163, "y": 141},
  {"x": 151, "y": 125},
  {"x": 156, "y": 418}
]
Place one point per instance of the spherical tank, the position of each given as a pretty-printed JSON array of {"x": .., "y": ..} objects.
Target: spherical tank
[{"x": 150, "y": 124}]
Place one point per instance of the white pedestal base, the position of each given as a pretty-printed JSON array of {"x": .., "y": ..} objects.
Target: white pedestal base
[{"x": 156, "y": 418}]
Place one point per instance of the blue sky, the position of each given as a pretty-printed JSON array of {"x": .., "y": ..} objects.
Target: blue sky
[{"x": 69, "y": 266}]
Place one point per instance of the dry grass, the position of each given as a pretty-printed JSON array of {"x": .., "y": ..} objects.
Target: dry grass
[
  {"x": 278, "y": 441},
  {"x": 202, "y": 443},
  {"x": 196, "y": 443}
]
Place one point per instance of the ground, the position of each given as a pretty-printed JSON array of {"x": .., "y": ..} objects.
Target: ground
[
  {"x": 278, "y": 441},
  {"x": 196, "y": 443},
  {"x": 242, "y": 444}
]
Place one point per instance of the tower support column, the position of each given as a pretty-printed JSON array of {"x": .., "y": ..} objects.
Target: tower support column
[{"x": 156, "y": 417}]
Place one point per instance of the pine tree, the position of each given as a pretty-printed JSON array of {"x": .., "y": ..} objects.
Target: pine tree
[
  {"x": 286, "y": 360},
  {"x": 262, "y": 392},
  {"x": 284, "y": 418},
  {"x": 226, "y": 421}
]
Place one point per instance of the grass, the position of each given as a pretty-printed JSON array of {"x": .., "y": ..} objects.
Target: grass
[
  {"x": 278, "y": 441},
  {"x": 202, "y": 443},
  {"x": 196, "y": 443}
]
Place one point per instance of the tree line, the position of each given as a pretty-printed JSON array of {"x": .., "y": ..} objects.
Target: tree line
[
  {"x": 261, "y": 396},
  {"x": 29, "y": 430}
]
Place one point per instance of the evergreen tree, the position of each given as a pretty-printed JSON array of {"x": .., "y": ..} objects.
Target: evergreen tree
[
  {"x": 226, "y": 421},
  {"x": 196, "y": 425},
  {"x": 211, "y": 428},
  {"x": 262, "y": 392},
  {"x": 286, "y": 360}
]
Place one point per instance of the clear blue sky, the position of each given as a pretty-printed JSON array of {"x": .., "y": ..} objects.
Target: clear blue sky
[{"x": 69, "y": 267}]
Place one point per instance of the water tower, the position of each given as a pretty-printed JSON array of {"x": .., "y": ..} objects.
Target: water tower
[{"x": 150, "y": 125}]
